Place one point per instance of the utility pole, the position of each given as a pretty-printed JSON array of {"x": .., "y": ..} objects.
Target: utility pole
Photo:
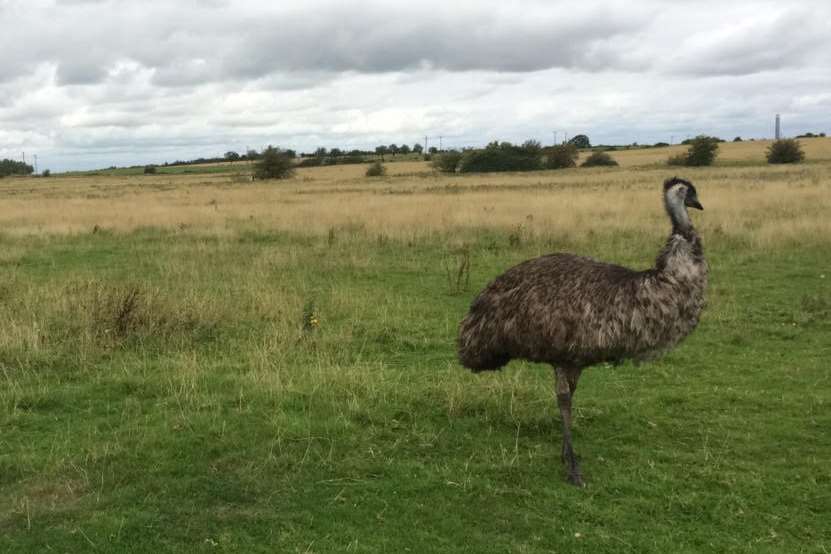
[
  {"x": 441, "y": 147},
  {"x": 778, "y": 128},
  {"x": 426, "y": 151},
  {"x": 554, "y": 134},
  {"x": 36, "y": 164}
]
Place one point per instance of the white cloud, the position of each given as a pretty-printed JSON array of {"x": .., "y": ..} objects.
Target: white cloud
[{"x": 91, "y": 83}]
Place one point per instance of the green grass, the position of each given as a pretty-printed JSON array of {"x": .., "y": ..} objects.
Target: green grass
[{"x": 200, "y": 416}]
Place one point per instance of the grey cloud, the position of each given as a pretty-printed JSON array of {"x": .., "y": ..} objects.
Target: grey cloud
[
  {"x": 756, "y": 44},
  {"x": 98, "y": 82},
  {"x": 227, "y": 41},
  {"x": 425, "y": 38}
]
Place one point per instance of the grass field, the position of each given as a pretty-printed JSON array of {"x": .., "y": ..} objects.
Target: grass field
[{"x": 162, "y": 389}]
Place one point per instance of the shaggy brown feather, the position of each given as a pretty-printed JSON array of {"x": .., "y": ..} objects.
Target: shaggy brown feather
[{"x": 572, "y": 311}]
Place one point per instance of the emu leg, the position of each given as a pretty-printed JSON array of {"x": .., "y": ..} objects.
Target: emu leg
[{"x": 565, "y": 387}]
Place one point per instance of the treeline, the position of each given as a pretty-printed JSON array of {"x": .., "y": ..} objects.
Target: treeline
[
  {"x": 12, "y": 167},
  {"x": 320, "y": 156},
  {"x": 528, "y": 156}
]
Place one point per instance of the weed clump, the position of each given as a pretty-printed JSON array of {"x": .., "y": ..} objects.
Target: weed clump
[
  {"x": 457, "y": 269},
  {"x": 311, "y": 320},
  {"x": 376, "y": 169},
  {"x": 123, "y": 315}
]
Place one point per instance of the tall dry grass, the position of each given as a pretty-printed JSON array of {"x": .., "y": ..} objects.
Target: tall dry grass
[{"x": 763, "y": 204}]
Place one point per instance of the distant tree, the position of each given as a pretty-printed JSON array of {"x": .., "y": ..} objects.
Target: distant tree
[
  {"x": 392, "y": 149},
  {"x": 376, "y": 169},
  {"x": 403, "y": 149},
  {"x": 150, "y": 170},
  {"x": 232, "y": 156},
  {"x": 320, "y": 152},
  {"x": 290, "y": 153},
  {"x": 381, "y": 150},
  {"x": 580, "y": 141},
  {"x": 502, "y": 156},
  {"x": 252, "y": 155},
  {"x": 785, "y": 151},
  {"x": 275, "y": 164},
  {"x": 599, "y": 158},
  {"x": 433, "y": 150},
  {"x": 737, "y": 139},
  {"x": 46, "y": 173},
  {"x": 703, "y": 151},
  {"x": 532, "y": 147},
  {"x": 561, "y": 156},
  {"x": 660, "y": 145},
  {"x": 12, "y": 167},
  {"x": 417, "y": 148},
  {"x": 335, "y": 152}
]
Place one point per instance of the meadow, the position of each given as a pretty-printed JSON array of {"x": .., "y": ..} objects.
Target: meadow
[{"x": 197, "y": 363}]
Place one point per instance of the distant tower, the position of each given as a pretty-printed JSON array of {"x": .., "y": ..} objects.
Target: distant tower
[{"x": 778, "y": 128}]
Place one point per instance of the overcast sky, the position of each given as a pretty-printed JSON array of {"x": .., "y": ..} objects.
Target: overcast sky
[{"x": 93, "y": 83}]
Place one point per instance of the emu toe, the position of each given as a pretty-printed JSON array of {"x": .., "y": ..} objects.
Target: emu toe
[{"x": 576, "y": 479}]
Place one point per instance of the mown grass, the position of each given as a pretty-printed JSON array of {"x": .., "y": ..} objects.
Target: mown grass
[{"x": 159, "y": 392}]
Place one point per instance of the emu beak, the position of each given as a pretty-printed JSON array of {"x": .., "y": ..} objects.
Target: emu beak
[{"x": 694, "y": 204}]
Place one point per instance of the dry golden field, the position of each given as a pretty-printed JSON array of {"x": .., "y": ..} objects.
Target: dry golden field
[{"x": 759, "y": 202}]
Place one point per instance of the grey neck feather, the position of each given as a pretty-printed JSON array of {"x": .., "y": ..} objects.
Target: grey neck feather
[{"x": 677, "y": 211}]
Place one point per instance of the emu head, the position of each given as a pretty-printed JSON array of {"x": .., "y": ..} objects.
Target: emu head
[{"x": 680, "y": 194}]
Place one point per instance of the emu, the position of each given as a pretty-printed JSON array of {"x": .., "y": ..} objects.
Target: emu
[{"x": 573, "y": 312}]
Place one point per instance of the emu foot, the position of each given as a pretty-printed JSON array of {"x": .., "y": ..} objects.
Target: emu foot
[{"x": 575, "y": 478}]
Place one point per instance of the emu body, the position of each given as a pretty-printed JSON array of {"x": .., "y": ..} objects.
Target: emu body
[{"x": 573, "y": 312}]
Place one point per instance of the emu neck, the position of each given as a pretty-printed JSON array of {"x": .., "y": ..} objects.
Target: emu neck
[
  {"x": 681, "y": 224},
  {"x": 682, "y": 256}
]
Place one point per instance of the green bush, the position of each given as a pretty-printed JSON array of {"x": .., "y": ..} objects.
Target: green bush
[
  {"x": 274, "y": 164},
  {"x": 502, "y": 156},
  {"x": 150, "y": 170},
  {"x": 785, "y": 151},
  {"x": 376, "y": 169},
  {"x": 561, "y": 156},
  {"x": 447, "y": 161},
  {"x": 703, "y": 151},
  {"x": 599, "y": 158},
  {"x": 46, "y": 173}
]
